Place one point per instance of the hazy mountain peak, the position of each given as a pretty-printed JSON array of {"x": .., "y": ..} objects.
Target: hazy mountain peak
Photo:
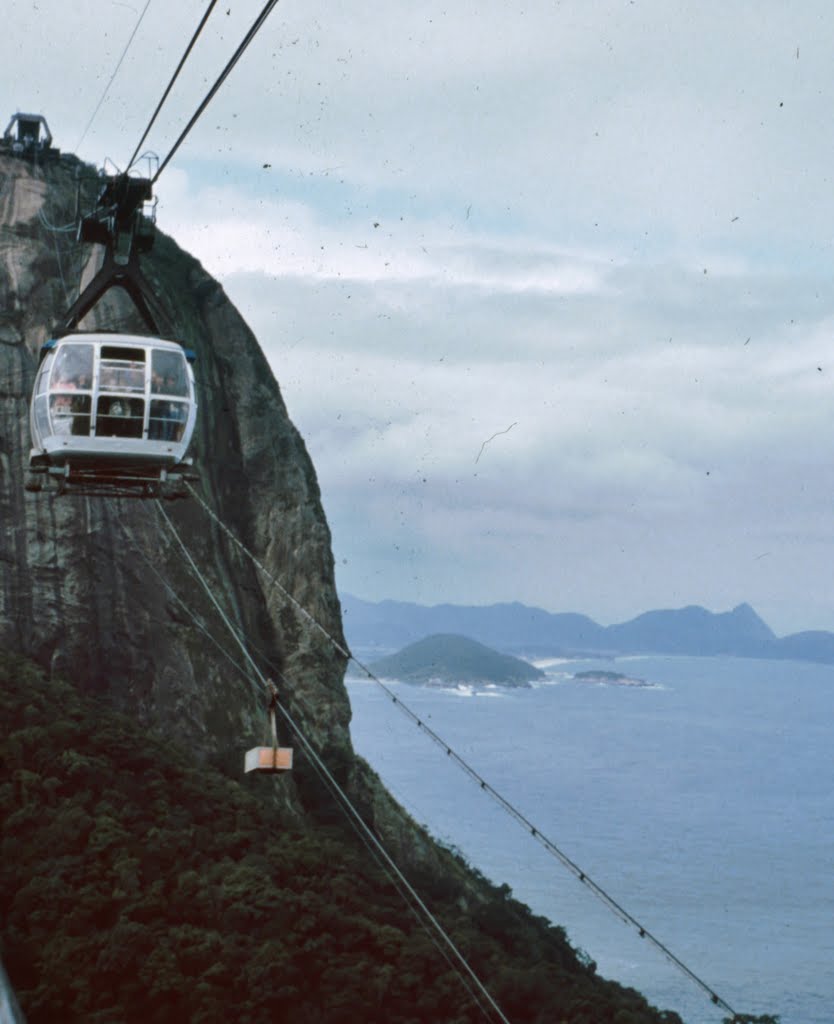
[{"x": 513, "y": 627}]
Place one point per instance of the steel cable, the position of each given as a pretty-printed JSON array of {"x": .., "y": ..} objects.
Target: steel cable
[
  {"x": 345, "y": 800},
  {"x": 115, "y": 72},
  {"x": 224, "y": 74},
  {"x": 170, "y": 86},
  {"x": 335, "y": 793},
  {"x": 490, "y": 790}
]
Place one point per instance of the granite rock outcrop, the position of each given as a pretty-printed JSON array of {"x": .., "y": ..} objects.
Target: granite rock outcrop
[
  {"x": 97, "y": 588},
  {"x": 99, "y": 592}
]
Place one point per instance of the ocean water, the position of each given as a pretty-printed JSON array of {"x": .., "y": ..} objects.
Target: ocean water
[{"x": 704, "y": 804}]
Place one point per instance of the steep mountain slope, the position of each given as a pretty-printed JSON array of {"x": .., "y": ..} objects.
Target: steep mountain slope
[
  {"x": 80, "y": 590},
  {"x": 96, "y": 592}
]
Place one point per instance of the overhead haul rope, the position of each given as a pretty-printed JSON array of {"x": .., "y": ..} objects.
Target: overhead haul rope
[
  {"x": 502, "y": 801},
  {"x": 170, "y": 86},
  {"x": 224, "y": 74},
  {"x": 115, "y": 72},
  {"x": 353, "y": 814},
  {"x": 259, "y": 690}
]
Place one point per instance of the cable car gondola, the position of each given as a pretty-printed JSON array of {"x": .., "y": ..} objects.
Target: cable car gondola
[{"x": 114, "y": 413}]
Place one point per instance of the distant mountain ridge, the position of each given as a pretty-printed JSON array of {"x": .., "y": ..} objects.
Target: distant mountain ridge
[{"x": 518, "y": 628}]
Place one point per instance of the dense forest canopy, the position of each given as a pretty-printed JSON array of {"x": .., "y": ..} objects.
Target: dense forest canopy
[
  {"x": 137, "y": 884},
  {"x": 446, "y": 657}
]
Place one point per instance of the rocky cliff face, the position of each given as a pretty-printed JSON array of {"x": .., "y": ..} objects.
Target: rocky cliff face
[
  {"x": 97, "y": 591},
  {"x": 9, "y": 1010},
  {"x": 96, "y": 588}
]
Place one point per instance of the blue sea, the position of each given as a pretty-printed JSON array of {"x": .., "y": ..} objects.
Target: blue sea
[{"x": 703, "y": 803}]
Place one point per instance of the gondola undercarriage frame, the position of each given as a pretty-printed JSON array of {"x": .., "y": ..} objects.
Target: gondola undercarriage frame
[{"x": 104, "y": 480}]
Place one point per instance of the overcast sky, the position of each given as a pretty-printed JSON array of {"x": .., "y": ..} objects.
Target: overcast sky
[{"x": 547, "y": 286}]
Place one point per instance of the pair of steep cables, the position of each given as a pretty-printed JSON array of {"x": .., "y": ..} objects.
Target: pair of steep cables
[
  {"x": 506, "y": 805},
  {"x": 256, "y": 26}
]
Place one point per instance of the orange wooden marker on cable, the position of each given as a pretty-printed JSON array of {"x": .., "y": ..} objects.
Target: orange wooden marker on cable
[{"x": 272, "y": 759}]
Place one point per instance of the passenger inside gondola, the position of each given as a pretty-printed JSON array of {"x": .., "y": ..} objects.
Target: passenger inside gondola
[
  {"x": 60, "y": 408},
  {"x": 167, "y": 418},
  {"x": 73, "y": 368},
  {"x": 80, "y": 408},
  {"x": 168, "y": 374},
  {"x": 117, "y": 416},
  {"x": 166, "y": 421},
  {"x": 72, "y": 373}
]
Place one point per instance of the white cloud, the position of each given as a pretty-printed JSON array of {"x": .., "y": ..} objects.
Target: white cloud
[
  {"x": 582, "y": 358},
  {"x": 236, "y": 233},
  {"x": 603, "y": 448}
]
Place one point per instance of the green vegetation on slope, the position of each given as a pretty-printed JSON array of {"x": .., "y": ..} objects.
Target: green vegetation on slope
[
  {"x": 449, "y": 658},
  {"x": 138, "y": 886}
]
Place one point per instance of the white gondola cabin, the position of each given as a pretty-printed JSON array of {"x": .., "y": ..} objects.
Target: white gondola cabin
[{"x": 112, "y": 413}]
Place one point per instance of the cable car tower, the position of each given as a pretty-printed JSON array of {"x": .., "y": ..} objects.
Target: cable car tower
[
  {"x": 114, "y": 413},
  {"x": 28, "y": 136}
]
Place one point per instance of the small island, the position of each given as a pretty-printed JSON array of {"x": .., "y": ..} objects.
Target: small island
[
  {"x": 603, "y": 678},
  {"x": 447, "y": 659}
]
